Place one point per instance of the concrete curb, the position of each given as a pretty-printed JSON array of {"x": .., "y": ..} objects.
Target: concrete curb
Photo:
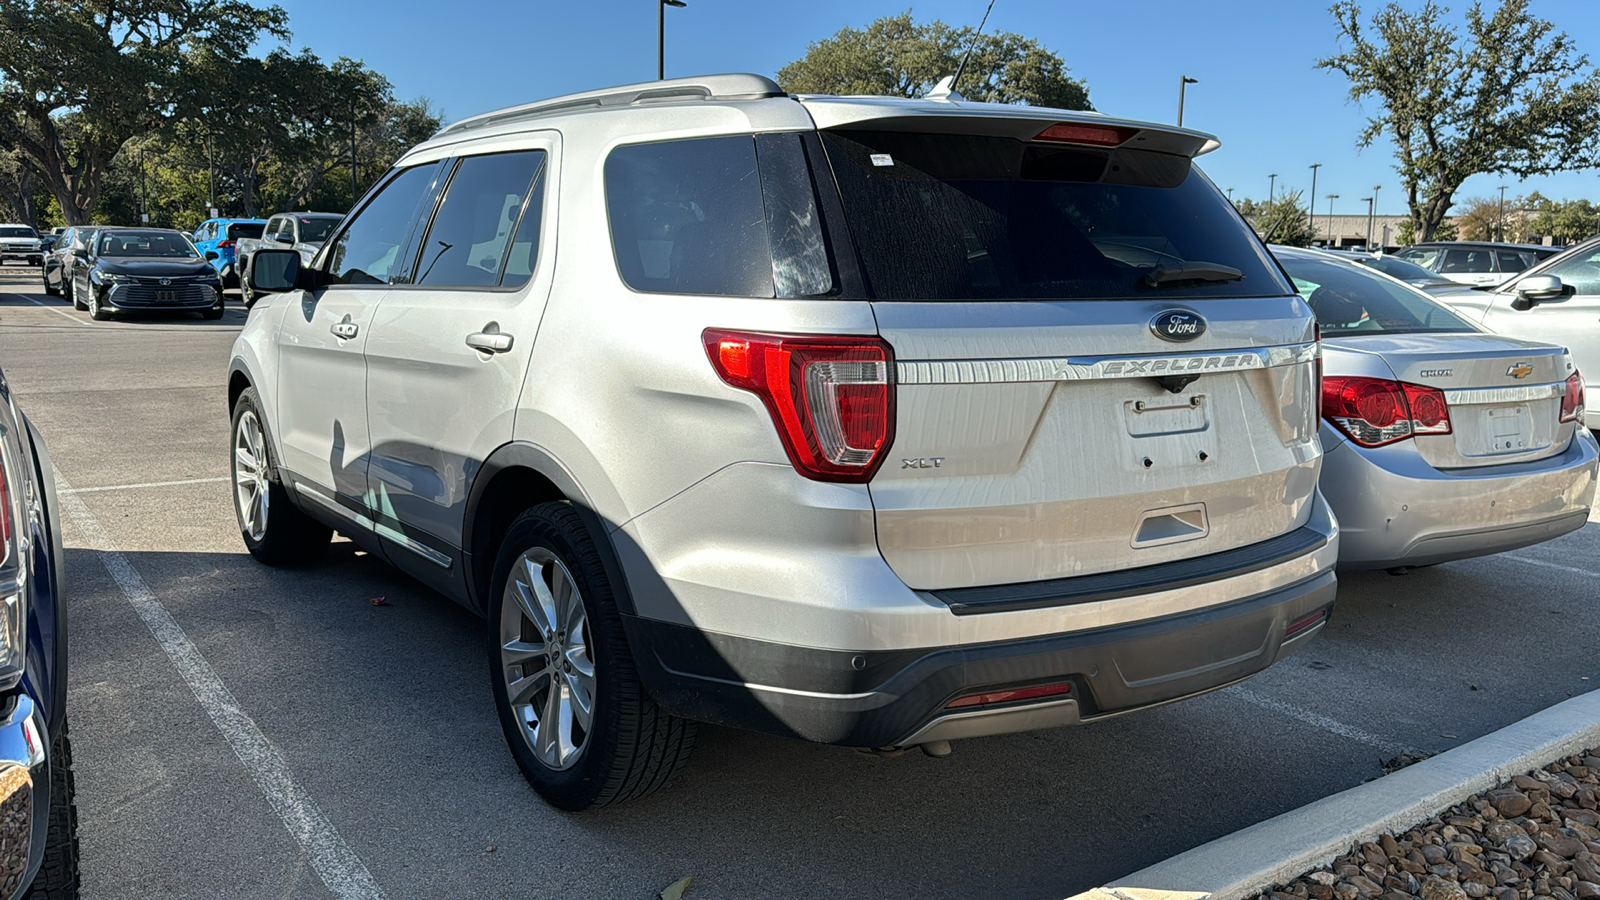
[{"x": 1282, "y": 848}]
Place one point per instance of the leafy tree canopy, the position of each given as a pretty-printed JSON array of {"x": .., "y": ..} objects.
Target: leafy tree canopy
[
  {"x": 897, "y": 57},
  {"x": 1511, "y": 97},
  {"x": 1280, "y": 220}
]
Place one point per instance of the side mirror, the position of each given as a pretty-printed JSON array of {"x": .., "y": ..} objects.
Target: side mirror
[
  {"x": 1537, "y": 289},
  {"x": 80, "y": 253},
  {"x": 276, "y": 271},
  {"x": 212, "y": 254}
]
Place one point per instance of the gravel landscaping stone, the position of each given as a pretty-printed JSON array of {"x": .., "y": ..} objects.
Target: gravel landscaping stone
[{"x": 1536, "y": 837}]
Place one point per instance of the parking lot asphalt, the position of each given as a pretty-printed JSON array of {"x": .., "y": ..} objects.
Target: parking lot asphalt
[{"x": 379, "y": 718}]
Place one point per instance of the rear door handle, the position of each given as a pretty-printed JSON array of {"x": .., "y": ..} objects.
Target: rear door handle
[
  {"x": 490, "y": 340},
  {"x": 345, "y": 329}
]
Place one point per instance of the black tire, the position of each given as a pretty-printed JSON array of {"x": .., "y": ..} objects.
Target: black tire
[
  {"x": 58, "y": 875},
  {"x": 633, "y": 747},
  {"x": 49, "y": 291},
  {"x": 245, "y": 294},
  {"x": 71, "y": 290},
  {"x": 97, "y": 311},
  {"x": 214, "y": 312},
  {"x": 290, "y": 537}
]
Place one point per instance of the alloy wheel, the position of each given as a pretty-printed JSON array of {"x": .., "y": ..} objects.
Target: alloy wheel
[
  {"x": 250, "y": 475},
  {"x": 545, "y": 660}
]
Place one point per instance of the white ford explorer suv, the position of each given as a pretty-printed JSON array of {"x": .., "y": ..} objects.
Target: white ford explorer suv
[{"x": 867, "y": 421}]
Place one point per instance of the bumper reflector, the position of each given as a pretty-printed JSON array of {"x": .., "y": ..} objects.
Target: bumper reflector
[
  {"x": 1011, "y": 696},
  {"x": 1299, "y": 625}
]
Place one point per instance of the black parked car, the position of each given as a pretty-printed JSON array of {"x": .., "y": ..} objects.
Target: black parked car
[
  {"x": 144, "y": 269},
  {"x": 58, "y": 263},
  {"x": 38, "y": 821}
]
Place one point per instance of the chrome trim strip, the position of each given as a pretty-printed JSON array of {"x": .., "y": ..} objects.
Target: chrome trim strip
[
  {"x": 1522, "y": 393},
  {"x": 1092, "y": 368},
  {"x": 422, "y": 550}
]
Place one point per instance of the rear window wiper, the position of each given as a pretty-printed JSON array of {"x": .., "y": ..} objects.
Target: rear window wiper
[{"x": 1190, "y": 273}]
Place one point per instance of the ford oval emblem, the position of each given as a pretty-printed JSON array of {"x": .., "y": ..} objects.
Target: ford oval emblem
[{"x": 1178, "y": 325}]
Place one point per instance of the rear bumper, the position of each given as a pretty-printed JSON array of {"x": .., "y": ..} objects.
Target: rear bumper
[
  {"x": 900, "y": 698},
  {"x": 1396, "y": 510}
]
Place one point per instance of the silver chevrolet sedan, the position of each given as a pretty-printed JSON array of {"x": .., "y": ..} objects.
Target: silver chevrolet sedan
[{"x": 1443, "y": 442}]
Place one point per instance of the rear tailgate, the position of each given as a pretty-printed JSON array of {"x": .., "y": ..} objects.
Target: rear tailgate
[{"x": 1044, "y": 429}]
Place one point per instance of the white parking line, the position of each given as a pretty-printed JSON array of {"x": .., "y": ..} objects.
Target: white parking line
[
  {"x": 143, "y": 484},
  {"x": 1549, "y": 565},
  {"x": 1317, "y": 720},
  {"x": 62, "y": 313},
  {"x": 340, "y": 869}
]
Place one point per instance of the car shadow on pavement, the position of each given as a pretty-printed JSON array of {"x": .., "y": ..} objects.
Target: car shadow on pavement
[{"x": 373, "y": 688}]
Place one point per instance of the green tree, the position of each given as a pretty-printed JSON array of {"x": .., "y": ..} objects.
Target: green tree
[
  {"x": 1514, "y": 97},
  {"x": 1408, "y": 234},
  {"x": 895, "y": 56},
  {"x": 1568, "y": 221},
  {"x": 114, "y": 68},
  {"x": 1280, "y": 220}
]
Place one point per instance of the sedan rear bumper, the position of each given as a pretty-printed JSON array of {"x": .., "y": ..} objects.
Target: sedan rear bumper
[{"x": 1396, "y": 510}]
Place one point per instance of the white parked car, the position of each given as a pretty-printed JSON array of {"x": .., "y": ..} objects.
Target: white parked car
[{"x": 1443, "y": 441}]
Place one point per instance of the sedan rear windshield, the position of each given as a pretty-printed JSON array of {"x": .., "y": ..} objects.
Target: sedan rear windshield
[
  {"x": 964, "y": 217},
  {"x": 1352, "y": 299}
]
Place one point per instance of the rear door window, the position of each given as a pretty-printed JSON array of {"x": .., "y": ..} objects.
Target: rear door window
[
  {"x": 1512, "y": 260},
  {"x": 315, "y": 229},
  {"x": 966, "y": 217},
  {"x": 482, "y": 207},
  {"x": 1459, "y": 261}
]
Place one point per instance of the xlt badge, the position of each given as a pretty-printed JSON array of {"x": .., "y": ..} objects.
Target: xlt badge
[{"x": 924, "y": 462}]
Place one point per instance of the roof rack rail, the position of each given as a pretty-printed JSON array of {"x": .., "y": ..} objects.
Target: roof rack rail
[{"x": 705, "y": 87}]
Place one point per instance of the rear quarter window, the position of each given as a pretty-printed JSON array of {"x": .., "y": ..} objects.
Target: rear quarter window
[
  {"x": 1350, "y": 299},
  {"x": 965, "y": 217}
]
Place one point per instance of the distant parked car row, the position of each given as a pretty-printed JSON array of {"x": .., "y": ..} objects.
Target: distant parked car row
[
  {"x": 104, "y": 270},
  {"x": 1475, "y": 262}
]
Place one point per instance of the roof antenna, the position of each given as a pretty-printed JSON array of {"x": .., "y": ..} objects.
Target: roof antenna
[{"x": 946, "y": 88}]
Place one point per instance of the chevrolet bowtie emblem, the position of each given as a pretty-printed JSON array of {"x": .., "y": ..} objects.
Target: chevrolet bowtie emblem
[{"x": 1520, "y": 370}]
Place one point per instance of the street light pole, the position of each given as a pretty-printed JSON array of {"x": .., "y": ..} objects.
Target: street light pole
[
  {"x": 661, "y": 35},
  {"x": 1230, "y": 195},
  {"x": 1183, "y": 82},
  {"x": 1502, "y": 225},
  {"x": 1311, "y": 202},
  {"x": 1375, "y": 189},
  {"x": 353, "y": 197},
  {"x": 1370, "y": 201},
  {"x": 1331, "y": 198},
  {"x": 1272, "y": 186}
]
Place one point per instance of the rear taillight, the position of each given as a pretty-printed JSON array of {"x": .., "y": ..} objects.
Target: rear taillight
[
  {"x": 225, "y": 245},
  {"x": 6, "y": 525},
  {"x": 831, "y": 398},
  {"x": 1572, "y": 399},
  {"x": 1376, "y": 411}
]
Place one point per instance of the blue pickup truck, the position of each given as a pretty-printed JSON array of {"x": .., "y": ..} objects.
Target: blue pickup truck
[
  {"x": 38, "y": 821},
  {"x": 217, "y": 239}
]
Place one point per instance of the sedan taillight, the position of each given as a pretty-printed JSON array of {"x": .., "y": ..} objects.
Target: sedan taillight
[
  {"x": 831, "y": 398},
  {"x": 1376, "y": 411},
  {"x": 224, "y": 245},
  {"x": 1572, "y": 399}
]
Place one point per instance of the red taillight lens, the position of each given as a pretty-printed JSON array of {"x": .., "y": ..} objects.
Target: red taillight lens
[
  {"x": 1572, "y": 399},
  {"x": 1096, "y": 135},
  {"x": 832, "y": 398},
  {"x": 5, "y": 515},
  {"x": 225, "y": 245},
  {"x": 1376, "y": 411},
  {"x": 1011, "y": 696}
]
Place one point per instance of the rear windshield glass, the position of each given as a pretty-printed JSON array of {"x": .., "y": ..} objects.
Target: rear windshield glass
[
  {"x": 245, "y": 230},
  {"x": 963, "y": 217},
  {"x": 314, "y": 230},
  {"x": 1399, "y": 268},
  {"x": 1351, "y": 299}
]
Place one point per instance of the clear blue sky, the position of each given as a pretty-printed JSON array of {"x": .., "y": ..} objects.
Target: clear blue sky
[{"x": 1258, "y": 91}]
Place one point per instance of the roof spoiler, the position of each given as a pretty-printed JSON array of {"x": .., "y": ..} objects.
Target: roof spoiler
[{"x": 705, "y": 87}]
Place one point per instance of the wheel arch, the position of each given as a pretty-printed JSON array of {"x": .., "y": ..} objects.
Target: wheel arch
[{"x": 514, "y": 478}]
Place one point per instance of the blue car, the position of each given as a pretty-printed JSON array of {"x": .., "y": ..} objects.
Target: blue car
[
  {"x": 216, "y": 239},
  {"x": 38, "y": 821}
]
